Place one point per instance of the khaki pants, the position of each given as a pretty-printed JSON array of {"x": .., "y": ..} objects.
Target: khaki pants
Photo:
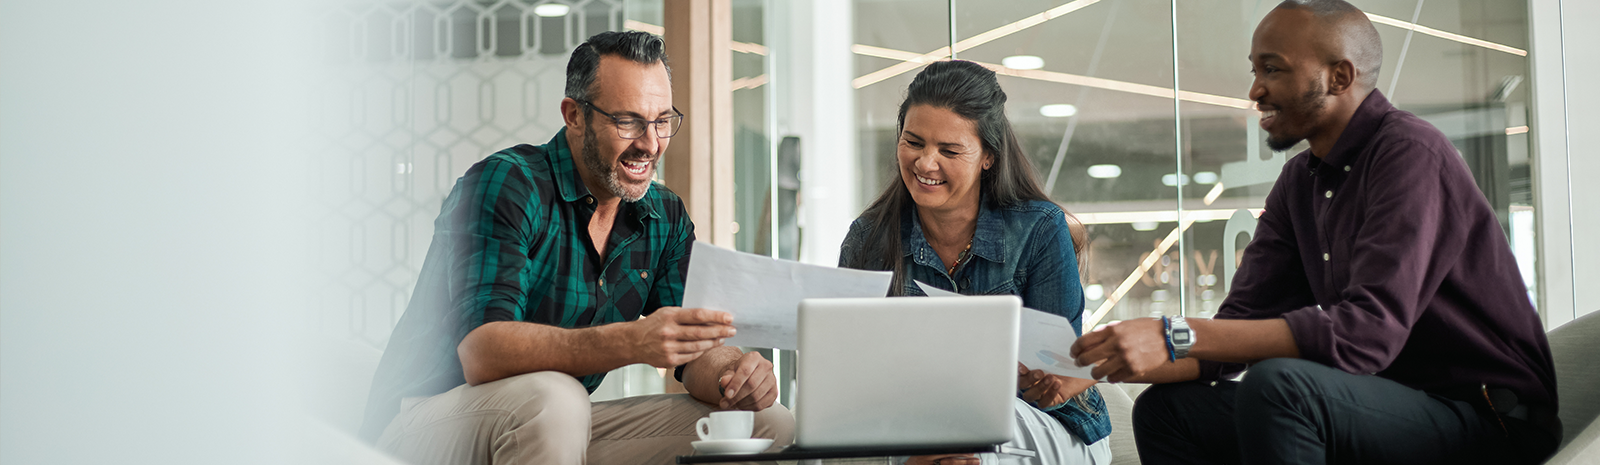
[{"x": 546, "y": 418}]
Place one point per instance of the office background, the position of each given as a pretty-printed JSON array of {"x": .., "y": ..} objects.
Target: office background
[{"x": 206, "y": 207}]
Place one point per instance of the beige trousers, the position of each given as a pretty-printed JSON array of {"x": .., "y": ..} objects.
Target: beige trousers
[{"x": 546, "y": 418}]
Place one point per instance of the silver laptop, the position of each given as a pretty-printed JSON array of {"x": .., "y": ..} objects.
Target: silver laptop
[{"x": 884, "y": 372}]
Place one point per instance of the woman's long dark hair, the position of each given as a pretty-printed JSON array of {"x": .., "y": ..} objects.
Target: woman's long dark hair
[{"x": 971, "y": 91}]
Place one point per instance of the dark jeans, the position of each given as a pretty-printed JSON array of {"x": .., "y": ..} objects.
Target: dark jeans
[{"x": 1291, "y": 411}]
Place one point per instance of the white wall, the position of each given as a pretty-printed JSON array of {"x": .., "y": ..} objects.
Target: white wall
[
  {"x": 1563, "y": 34},
  {"x": 818, "y": 104},
  {"x": 150, "y": 241},
  {"x": 1581, "y": 33}
]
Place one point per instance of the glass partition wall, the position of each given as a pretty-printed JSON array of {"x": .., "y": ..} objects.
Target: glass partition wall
[{"x": 1168, "y": 183}]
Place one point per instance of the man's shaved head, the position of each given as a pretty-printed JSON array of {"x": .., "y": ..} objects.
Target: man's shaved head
[
  {"x": 1343, "y": 33},
  {"x": 1314, "y": 62}
]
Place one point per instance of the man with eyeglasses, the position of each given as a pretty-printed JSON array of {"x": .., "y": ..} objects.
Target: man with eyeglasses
[{"x": 544, "y": 264}]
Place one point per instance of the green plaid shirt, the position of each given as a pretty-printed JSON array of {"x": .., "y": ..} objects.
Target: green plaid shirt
[{"x": 512, "y": 244}]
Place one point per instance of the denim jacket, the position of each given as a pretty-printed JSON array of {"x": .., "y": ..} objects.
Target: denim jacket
[{"x": 1024, "y": 250}]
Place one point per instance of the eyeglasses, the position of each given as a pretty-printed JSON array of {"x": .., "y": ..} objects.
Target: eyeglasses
[{"x": 629, "y": 127}]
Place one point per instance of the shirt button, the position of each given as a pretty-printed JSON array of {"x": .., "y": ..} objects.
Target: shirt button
[
  {"x": 1347, "y": 168},
  {"x": 1324, "y": 257},
  {"x": 644, "y": 275},
  {"x": 1328, "y": 195},
  {"x": 588, "y": 200}
]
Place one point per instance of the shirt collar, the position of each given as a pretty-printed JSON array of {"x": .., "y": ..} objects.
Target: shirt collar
[
  {"x": 568, "y": 181},
  {"x": 988, "y": 241},
  {"x": 571, "y": 185},
  {"x": 1362, "y": 126}
]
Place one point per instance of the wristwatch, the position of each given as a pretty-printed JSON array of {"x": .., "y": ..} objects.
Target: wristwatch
[{"x": 1181, "y": 336}]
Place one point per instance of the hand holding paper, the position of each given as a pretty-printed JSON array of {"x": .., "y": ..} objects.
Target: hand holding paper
[
  {"x": 1044, "y": 343},
  {"x": 764, "y": 293}
]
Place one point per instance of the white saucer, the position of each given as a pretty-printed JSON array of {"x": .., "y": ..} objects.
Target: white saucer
[{"x": 732, "y": 446}]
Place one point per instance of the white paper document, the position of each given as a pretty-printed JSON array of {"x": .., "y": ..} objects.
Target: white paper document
[
  {"x": 1044, "y": 343},
  {"x": 764, "y": 293}
]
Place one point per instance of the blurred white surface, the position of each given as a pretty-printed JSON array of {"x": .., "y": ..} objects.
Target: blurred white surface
[{"x": 150, "y": 229}]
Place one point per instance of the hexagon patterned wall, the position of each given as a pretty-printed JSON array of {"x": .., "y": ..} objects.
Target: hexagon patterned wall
[{"x": 422, "y": 90}]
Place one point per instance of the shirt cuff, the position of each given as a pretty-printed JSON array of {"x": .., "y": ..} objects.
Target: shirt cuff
[
  {"x": 1313, "y": 334},
  {"x": 677, "y": 373}
]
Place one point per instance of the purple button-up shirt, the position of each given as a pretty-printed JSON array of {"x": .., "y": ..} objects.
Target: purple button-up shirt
[{"x": 1385, "y": 259}]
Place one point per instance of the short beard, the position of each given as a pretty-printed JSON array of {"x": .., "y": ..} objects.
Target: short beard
[
  {"x": 607, "y": 172},
  {"x": 1309, "y": 105},
  {"x": 1279, "y": 144}
]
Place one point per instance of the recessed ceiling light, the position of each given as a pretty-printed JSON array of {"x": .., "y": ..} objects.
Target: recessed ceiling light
[
  {"x": 1022, "y": 62},
  {"x": 1058, "y": 110},
  {"x": 1205, "y": 177},
  {"x": 1144, "y": 225},
  {"x": 551, "y": 10},
  {"x": 1172, "y": 179},
  {"x": 1105, "y": 171},
  {"x": 1094, "y": 292}
]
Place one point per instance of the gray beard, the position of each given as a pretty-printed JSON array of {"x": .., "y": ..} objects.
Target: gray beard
[{"x": 607, "y": 172}]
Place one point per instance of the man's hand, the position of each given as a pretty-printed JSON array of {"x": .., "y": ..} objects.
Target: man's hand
[
  {"x": 674, "y": 336},
  {"x": 1046, "y": 390},
  {"x": 952, "y": 459},
  {"x": 748, "y": 384},
  {"x": 1129, "y": 349}
]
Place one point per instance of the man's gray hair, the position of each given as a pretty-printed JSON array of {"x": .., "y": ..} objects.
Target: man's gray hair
[{"x": 584, "y": 66}]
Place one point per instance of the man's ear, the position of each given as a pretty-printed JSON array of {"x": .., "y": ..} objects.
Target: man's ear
[
  {"x": 572, "y": 113},
  {"x": 1341, "y": 77}
]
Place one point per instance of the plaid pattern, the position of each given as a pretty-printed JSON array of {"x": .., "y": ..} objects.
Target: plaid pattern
[{"x": 511, "y": 244}]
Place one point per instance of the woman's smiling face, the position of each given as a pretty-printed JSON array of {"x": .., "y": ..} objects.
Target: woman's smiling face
[{"x": 941, "y": 158}]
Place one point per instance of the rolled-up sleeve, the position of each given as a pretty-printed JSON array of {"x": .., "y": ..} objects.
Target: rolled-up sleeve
[{"x": 492, "y": 225}]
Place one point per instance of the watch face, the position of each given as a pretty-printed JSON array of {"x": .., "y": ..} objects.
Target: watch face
[{"x": 1180, "y": 337}]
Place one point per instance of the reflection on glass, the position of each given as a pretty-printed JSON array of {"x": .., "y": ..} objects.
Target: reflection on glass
[
  {"x": 1096, "y": 116},
  {"x": 1113, "y": 158},
  {"x": 890, "y": 40},
  {"x": 752, "y": 147}
]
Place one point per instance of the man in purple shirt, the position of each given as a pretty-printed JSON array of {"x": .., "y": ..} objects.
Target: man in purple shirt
[{"x": 1378, "y": 307}]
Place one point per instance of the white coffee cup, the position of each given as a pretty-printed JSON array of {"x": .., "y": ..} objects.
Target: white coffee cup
[{"x": 737, "y": 424}]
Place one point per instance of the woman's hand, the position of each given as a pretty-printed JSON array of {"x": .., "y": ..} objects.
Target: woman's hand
[
  {"x": 1046, "y": 390},
  {"x": 951, "y": 459}
]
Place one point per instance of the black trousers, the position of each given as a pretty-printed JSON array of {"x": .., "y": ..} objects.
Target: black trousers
[{"x": 1291, "y": 411}]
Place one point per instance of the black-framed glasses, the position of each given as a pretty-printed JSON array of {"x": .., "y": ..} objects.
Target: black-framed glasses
[{"x": 629, "y": 127}]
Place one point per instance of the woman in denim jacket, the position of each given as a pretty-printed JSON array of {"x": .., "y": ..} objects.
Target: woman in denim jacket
[{"x": 968, "y": 216}]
